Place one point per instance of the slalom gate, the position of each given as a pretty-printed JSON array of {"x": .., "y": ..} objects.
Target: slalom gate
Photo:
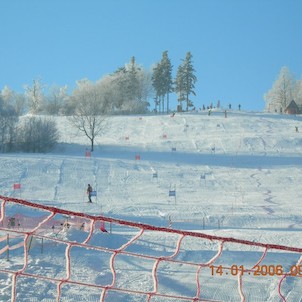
[{"x": 51, "y": 254}]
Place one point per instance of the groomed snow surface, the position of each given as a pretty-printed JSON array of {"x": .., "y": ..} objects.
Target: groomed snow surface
[{"x": 237, "y": 177}]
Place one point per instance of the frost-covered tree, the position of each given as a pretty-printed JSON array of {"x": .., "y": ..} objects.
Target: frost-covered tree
[
  {"x": 127, "y": 82},
  {"x": 131, "y": 85},
  {"x": 282, "y": 91},
  {"x": 35, "y": 96},
  {"x": 13, "y": 99},
  {"x": 145, "y": 90},
  {"x": 6, "y": 95},
  {"x": 56, "y": 99},
  {"x": 298, "y": 93}
]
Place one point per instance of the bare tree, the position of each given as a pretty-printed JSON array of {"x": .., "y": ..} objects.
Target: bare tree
[
  {"x": 55, "y": 100},
  {"x": 37, "y": 134},
  {"x": 89, "y": 116},
  {"x": 8, "y": 122}
]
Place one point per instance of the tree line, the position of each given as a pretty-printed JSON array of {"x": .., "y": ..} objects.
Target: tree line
[
  {"x": 285, "y": 89},
  {"x": 130, "y": 89},
  {"x": 127, "y": 90}
]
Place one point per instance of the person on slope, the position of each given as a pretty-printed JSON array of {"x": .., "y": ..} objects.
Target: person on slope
[{"x": 89, "y": 190}]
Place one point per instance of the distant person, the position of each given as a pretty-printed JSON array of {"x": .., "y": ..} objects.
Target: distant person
[
  {"x": 218, "y": 104},
  {"x": 297, "y": 129},
  {"x": 230, "y": 106},
  {"x": 89, "y": 191},
  {"x": 239, "y": 107},
  {"x": 225, "y": 114}
]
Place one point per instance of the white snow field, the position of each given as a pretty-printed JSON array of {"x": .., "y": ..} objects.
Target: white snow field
[{"x": 236, "y": 177}]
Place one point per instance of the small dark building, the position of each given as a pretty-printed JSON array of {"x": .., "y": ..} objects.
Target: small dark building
[{"x": 292, "y": 108}]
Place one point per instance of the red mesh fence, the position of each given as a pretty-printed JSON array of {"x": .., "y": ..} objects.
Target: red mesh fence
[{"x": 51, "y": 254}]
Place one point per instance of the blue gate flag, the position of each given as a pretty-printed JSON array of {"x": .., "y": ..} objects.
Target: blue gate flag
[
  {"x": 93, "y": 193},
  {"x": 172, "y": 193}
]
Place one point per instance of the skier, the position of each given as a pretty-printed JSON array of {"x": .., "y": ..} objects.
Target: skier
[{"x": 89, "y": 190}]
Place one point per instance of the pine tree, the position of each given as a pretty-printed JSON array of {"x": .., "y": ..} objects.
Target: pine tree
[
  {"x": 185, "y": 81},
  {"x": 180, "y": 87},
  {"x": 132, "y": 83},
  {"x": 189, "y": 79},
  {"x": 157, "y": 85},
  {"x": 167, "y": 81},
  {"x": 162, "y": 81}
]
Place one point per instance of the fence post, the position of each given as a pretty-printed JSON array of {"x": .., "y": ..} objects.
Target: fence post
[
  {"x": 42, "y": 242},
  {"x": 7, "y": 251},
  {"x": 29, "y": 246},
  {"x": 170, "y": 222}
]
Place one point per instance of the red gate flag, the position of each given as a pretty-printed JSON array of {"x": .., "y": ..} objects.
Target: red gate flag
[
  {"x": 102, "y": 226},
  {"x": 17, "y": 186}
]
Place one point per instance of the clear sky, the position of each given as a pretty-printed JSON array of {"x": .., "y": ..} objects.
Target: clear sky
[{"x": 238, "y": 46}]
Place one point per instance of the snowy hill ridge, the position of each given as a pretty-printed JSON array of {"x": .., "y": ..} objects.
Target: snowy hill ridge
[{"x": 239, "y": 133}]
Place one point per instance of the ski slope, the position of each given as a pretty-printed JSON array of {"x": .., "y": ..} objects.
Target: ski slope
[{"x": 237, "y": 177}]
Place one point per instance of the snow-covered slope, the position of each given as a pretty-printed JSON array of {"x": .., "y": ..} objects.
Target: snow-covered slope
[{"x": 238, "y": 176}]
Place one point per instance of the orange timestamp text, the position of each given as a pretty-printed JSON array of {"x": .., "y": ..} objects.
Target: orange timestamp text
[{"x": 257, "y": 270}]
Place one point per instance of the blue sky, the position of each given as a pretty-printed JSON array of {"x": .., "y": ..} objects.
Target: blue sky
[{"x": 238, "y": 46}]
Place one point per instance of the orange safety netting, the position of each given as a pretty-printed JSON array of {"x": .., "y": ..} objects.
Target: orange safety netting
[{"x": 41, "y": 222}]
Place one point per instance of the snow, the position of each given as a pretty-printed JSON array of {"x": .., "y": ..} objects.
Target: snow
[{"x": 236, "y": 177}]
